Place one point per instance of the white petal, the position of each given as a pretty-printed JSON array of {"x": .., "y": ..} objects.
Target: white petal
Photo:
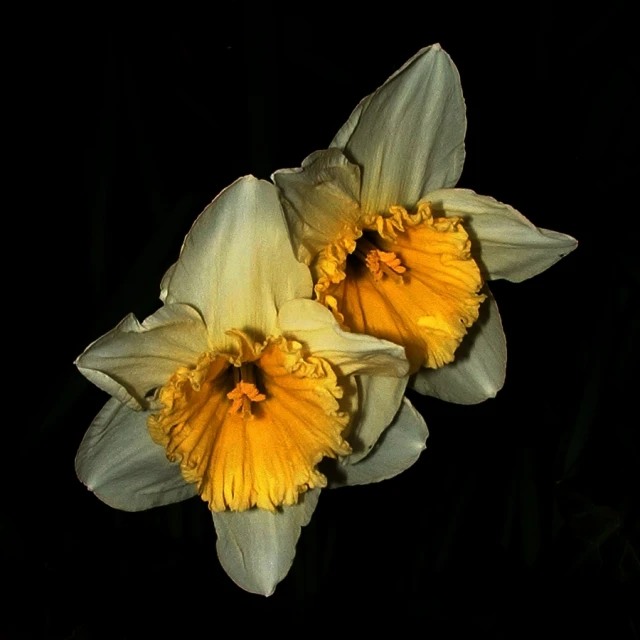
[
  {"x": 164, "y": 283},
  {"x": 379, "y": 399},
  {"x": 408, "y": 136},
  {"x": 319, "y": 200},
  {"x": 398, "y": 448},
  {"x": 505, "y": 244},
  {"x": 341, "y": 138},
  {"x": 256, "y": 547},
  {"x": 119, "y": 462},
  {"x": 135, "y": 358},
  {"x": 480, "y": 364},
  {"x": 237, "y": 266},
  {"x": 314, "y": 325}
]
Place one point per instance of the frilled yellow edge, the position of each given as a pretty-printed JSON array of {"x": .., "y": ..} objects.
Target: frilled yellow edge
[
  {"x": 407, "y": 278},
  {"x": 250, "y": 429}
]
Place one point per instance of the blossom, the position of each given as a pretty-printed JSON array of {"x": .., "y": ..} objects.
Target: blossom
[
  {"x": 237, "y": 387},
  {"x": 395, "y": 250}
]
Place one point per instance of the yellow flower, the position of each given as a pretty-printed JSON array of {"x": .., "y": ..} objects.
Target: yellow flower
[
  {"x": 395, "y": 251},
  {"x": 237, "y": 387}
]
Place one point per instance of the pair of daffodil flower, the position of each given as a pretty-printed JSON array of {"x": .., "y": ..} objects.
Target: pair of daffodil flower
[{"x": 296, "y": 315}]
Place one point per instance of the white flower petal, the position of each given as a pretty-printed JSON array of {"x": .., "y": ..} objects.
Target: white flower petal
[
  {"x": 480, "y": 364},
  {"x": 398, "y": 448},
  {"x": 504, "y": 243},
  {"x": 319, "y": 200},
  {"x": 314, "y": 325},
  {"x": 237, "y": 266},
  {"x": 256, "y": 547},
  {"x": 164, "y": 283},
  {"x": 341, "y": 138},
  {"x": 133, "y": 358},
  {"x": 119, "y": 462},
  {"x": 379, "y": 399},
  {"x": 408, "y": 136}
]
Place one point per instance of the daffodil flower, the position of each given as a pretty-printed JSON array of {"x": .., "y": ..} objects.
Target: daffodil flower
[
  {"x": 237, "y": 387},
  {"x": 395, "y": 251}
]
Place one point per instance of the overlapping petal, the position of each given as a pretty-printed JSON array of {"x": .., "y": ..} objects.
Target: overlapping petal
[
  {"x": 119, "y": 462},
  {"x": 378, "y": 400},
  {"x": 479, "y": 368},
  {"x": 348, "y": 353},
  {"x": 256, "y": 548},
  {"x": 321, "y": 200},
  {"x": 241, "y": 273},
  {"x": 397, "y": 449},
  {"x": 133, "y": 359},
  {"x": 408, "y": 136},
  {"x": 380, "y": 368},
  {"x": 237, "y": 266},
  {"x": 504, "y": 243}
]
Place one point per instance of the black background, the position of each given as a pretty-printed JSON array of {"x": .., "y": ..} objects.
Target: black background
[{"x": 521, "y": 514}]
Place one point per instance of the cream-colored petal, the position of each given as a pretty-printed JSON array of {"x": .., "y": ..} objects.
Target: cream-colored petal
[
  {"x": 119, "y": 462},
  {"x": 237, "y": 266},
  {"x": 408, "y": 136},
  {"x": 480, "y": 364},
  {"x": 349, "y": 353},
  {"x": 256, "y": 547},
  {"x": 164, "y": 283},
  {"x": 399, "y": 447},
  {"x": 341, "y": 138},
  {"x": 320, "y": 199},
  {"x": 133, "y": 358},
  {"x": 503, "y": 242},
  {"x": 379, "y": 399}
]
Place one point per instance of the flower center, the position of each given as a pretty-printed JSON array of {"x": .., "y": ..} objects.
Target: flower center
[
  {"x": 245, "y": 392},
  {"x": 380, "y": 263},
  {"x": 250, "y": 428},
  {"x": 406, "y": 277}
]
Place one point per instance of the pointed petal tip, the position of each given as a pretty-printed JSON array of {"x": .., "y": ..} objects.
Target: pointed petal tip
[{"x": 256, "y": 548}]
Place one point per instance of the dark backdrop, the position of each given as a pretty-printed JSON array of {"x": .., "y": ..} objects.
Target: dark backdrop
[{"x": 521, "y": 513}]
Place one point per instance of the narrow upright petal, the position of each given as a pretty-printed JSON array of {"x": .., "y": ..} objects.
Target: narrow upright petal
[
  {"x": 119, "y": 462},
  {"x": 256, "y": 548},
  {"x": 237, "y": 266},
  {"x": 133, "y": 359},
  {"x": 408, "y": 136},
  {"x": 504, "y": 243},
  {"x": 479, "y": 369}
]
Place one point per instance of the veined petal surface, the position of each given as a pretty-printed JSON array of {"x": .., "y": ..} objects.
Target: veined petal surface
[
  {"x": 119, "y": 462},
  {"x": 408, "y": 136},
  {"x": 237, "y": 266},
  {"x": 321, "y": 200},
  {"x": 504, "y": 243},
  {"x": 256, "y": 547},
  {"x": 133, "y": 359}
]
